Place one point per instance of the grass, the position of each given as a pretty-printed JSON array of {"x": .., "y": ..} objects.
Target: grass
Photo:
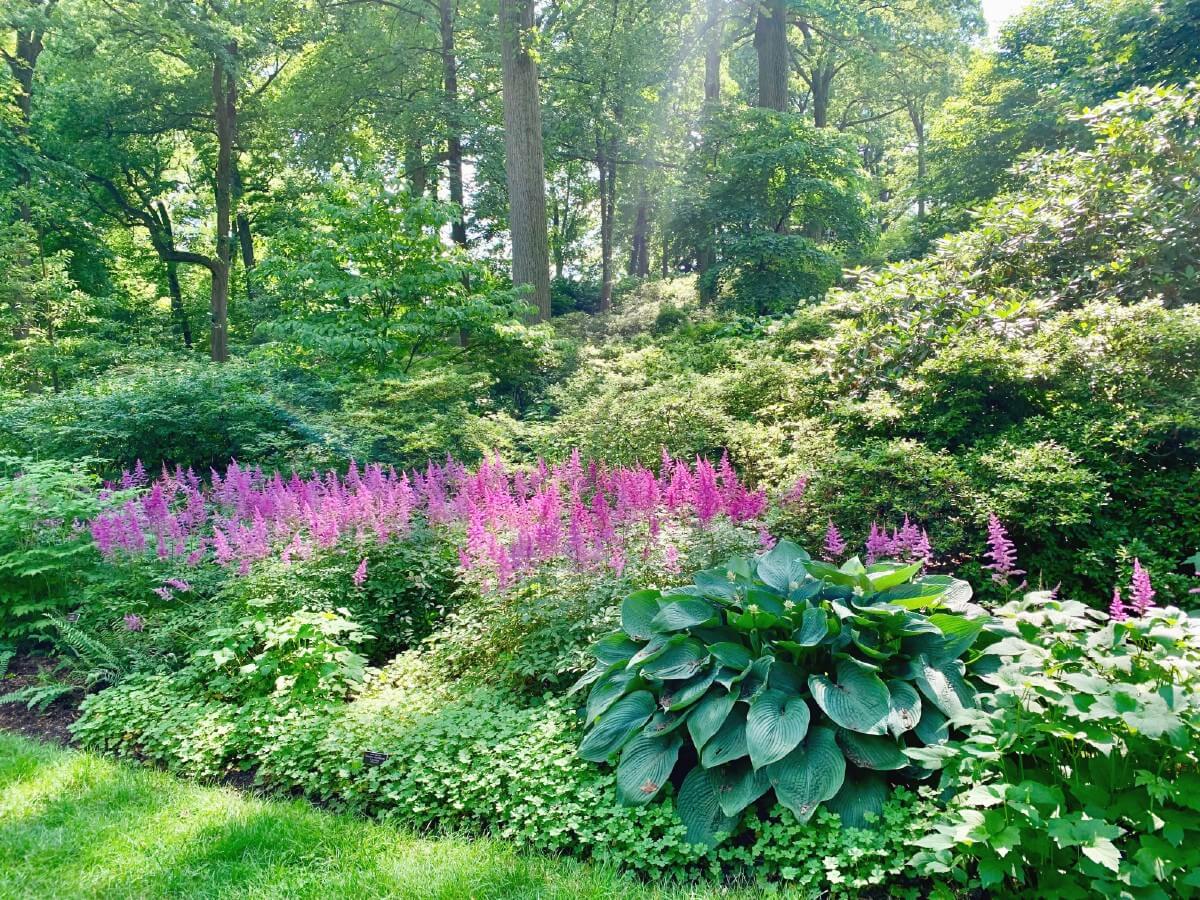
[{"x": 78, "y": 825}]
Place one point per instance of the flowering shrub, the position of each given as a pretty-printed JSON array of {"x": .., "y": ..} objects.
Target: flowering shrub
[{"x": 784, "y": 674}]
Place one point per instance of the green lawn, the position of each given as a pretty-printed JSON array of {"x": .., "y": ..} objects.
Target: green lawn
[{"x": 77, "y": 825}]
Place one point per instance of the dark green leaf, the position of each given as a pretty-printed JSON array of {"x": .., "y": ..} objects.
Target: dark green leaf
[
  {"x": 775, "y": 725},
  {"x": 617, "y": 725},
  {"x": 645, "y": 765}
]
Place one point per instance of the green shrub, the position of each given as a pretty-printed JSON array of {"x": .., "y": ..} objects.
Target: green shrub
[
  {"x": 1078, "y": 775},
  {"x": 727, "y": 667}
]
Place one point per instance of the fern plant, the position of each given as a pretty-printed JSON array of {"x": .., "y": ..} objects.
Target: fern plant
[
  {"x": 40, "y": 695},
  {"x": 94, "y": 662}
]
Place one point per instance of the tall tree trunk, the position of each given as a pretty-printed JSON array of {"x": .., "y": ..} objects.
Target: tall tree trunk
[
  {"x": 771, "y": 43},
  {"x": 245, "y": 237},
  {"x": 714, "y": 38},
  {"x": 225, "y": 101},
  {"x": 454, "y": 151},
  {"x": 608, "y": 194},
  {"x": 822, "y": 93},
  {"x": 163, "y": 239},
  {"x": 917, "y": 117},
  {"x": 524, "y": 164},
  {"x": 558, "y": 227},
  {"x": 639, "y": 250},
  {"x": 414, "y": 167}
]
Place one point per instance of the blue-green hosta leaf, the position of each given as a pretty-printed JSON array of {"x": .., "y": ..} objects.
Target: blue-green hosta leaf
[
  {"x": 645, "y": 765},
  {"x": 700, "y": 811},
  {"x": 587, "y": 678},
  {"x": 862, "y": 794},
  {"x": 681, "y": 614},
  {"x": 609, "y": 688},
  {"x": 729, "y": 743},
  {"x": 904, "y": 707},
  {"x": 736, "y": 656},
  {"x": 783, "y": 567},
  {"x": 775, "y": 725},
  {"x": 637, "y": 613},
  {"x": 943, "y": 684},
  {"x": 662, "y": 722},
  {"x": 654, "y": 648},
  {"x": 786, "y": 677},
  {"x": 765, "y": 601},
  {"x": 679, "y": 696},
  {"x": 960, "y": 632},
  {"x": 810, "y": 774},
  {"x": 754, "y": 679},
  {"x": 814, "y": 625},
  {"x": 709, "y": 715},
  {"x": 617, "y": 726},
  {"x": 858, "y": 700},
  {"x": 868, "y": 751},
  {"x": 614, "y": 648},
  {"x": 739, "y": 785},
  {"x": 677, "y": 661},
  {"x": 933, "y": 727}
]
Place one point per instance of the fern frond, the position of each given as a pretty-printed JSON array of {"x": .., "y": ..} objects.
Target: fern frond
[{"x": 39, "y": 696}]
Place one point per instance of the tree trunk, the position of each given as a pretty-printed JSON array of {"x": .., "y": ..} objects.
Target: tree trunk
[
  {"x": 770, "y": 41},
  {"x": 164, "y": 240},
  {"x": 712, "y": 52},
  {"x": 915, "y": 114},
  {"x": 245, "y": 237},
  {"x": 414, "y": 168},
  {"x": 524, "y": 164},
  {"x": 665, "y": 261},
  {"x": 225, "y": 101},
  {"x": 639, "y": 250},
  {"x": 454, "y": 151},
  {"x": 822, "y": 93},
  {"x": 608, "y": 194}
]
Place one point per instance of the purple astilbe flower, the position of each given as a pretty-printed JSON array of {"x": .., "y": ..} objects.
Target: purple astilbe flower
[
  {"x": 834, "y": 545},
  {"x": 921, "y": 550},
  {"x": 164, "y": 592},
  {"x": 879, "y": 544},
  {"x": 178, "y": 584},
  {"x": 134, "y": 622},
  {"x": 765, "y": 539},
  {"x": 1002, "y": 553},
  {"x": 360, "y": 574},
  {"x": 671, "y": 559},
  {"x": 795, "y": 494},
  {"x": 1116, "y": 609},
  {"x": 1141, "y": 593}
]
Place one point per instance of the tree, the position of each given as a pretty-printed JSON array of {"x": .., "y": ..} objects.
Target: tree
[{"x": 524, "y": 163}]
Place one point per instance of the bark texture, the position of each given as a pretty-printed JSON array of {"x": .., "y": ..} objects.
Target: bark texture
[
  {"x": 225, "y": 112},
  {"x": 770, "y": 42}
]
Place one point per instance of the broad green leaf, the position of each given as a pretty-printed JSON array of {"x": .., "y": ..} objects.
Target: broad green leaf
[
  {"x": 881, "y": 581},
  {"x": 782, "y": 567},
  {"x": 587, "y": 678},
  {"x": 682, "y": 614},
  {"x": 678, "y": 696},
  {"x": 739, "y": 785},
  {"x": 775, "y": 725},
  {"x": 617, "y": 725},
  {"x": 943, "y": 684},
  {"x": 814, "y": 625},
  {"x": 614, "y": 648},
  {"x": 637, "y": 613},
  {"x": 810, "y": 774},
  {"x": 786, "y": 677},
  {"x": 708, "y": 716},
  {"x": 729, "y": 743},
  {"x": 654, "y": 648},
  {"x": 956, "y": 593},
  {"x": 869, "y": 751},
  {"x": 960, "y": 632},
  {"x": 912, "y": 596},
  {"x": 933, "y": 727},
  {"x": 677, "y": 661},
  {"x": 862, "y": 794},
  {"x": 858, "y": 700},
  {"x": 700, "y": 810},
  {"x": 609, "y": 688},
  {"x": 645, "y": 765},
  {"x": 904, "y": 707},
  {"x": 754, "y": 679},
  {"x": 730, "y": 654},
  {"x": 663, "y": 722}
]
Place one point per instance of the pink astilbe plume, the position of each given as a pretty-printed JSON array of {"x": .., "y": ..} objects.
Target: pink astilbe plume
[
  {"x": 360, "y": 574},
  {"x": 1141, "y": 593},
  {"x": 1116, "y": 609},
  {"x": 834, "y": 545},
  {"x": 1002, "y": 553}
]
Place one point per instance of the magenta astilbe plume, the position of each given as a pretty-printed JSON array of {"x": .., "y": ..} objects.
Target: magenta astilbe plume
[
  {"x": 1002, "y": 552},
  {"x": 795, "y": 494},
  {"x": 1141, "y": 593},
  {"x": 134, "y": 622},
  {"x": 834, "y": 545},
  {"x": 1116, "y": 609},
  {"x": 360, "y": 574},
  {"x": 879, "y": 544}
]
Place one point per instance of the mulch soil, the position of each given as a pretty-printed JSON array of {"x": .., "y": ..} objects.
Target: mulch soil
[{"x": 50, "y": 725}]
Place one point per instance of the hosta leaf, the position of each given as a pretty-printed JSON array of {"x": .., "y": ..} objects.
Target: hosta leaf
[
  {"x": 654, "y": 648},
  {"x": 765, "y": 601},
  {"x": 872, "y": 751},
  {"x": 912, "y": 596},
  {"x": 682, "y": 614},
  {"x": 832, "y": 575},
  {"x": 729, "y": 743},
  {"x": 775, "y": 725},
  {"x": 753, "y": 621},
  {"x": 810, "y": 774},
  {"x": 786, "y": 677},
  {"x": 960, "y": 632},
  {"x": 730, "y": 654},
  {"x": 609, "y": 688},
  {"x": 709, "y": 715},
  {"x": 862, "y": 794},
  {"x": 933, "y": 727},
  {"x": 617, "y": 725},
  {"x": 637, "y": 613},
  {"x": 904, "y": 707},
  {"x": 678, "y": 696},
  {"x": 681, "y": 660},
  {"x": 700, "y": 810},
  {"x": 587, "y": 678},
  {"x": 859, "y": 700},
  {"x": 615, "y": 647},
  {"x": 955, "y": 593},
  {"x": 882, "y": 580},
  {"x": 739, "y": 785},
  {"x": 754, "y": 679},
  {"x": 943, "y": 684},
  {"x": 783, "y": 567},
  {"x": 645, "y": 765},
  {"x": 663, "y": 722},
  {"x": 814, "y": 625}
]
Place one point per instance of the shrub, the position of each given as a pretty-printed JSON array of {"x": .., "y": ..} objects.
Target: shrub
[
  {"x": 728, "y": 667},
  {"x": 1077, "y": 775}
]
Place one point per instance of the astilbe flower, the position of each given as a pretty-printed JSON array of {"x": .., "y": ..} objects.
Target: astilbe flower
[
  {"x": 1002, "y": 552},
  {"x": 360, "y": 574},
  {"x": 835, "y": 546},
  {"x": 1116, "y": 609},
  {"x": 134, "y": 622},
  {"x": 1141, "y": 593}
]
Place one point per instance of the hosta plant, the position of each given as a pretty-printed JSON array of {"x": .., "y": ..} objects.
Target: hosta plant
[{"x": 782, "y": 674}]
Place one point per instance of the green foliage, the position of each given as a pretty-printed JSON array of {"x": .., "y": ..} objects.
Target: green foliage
[
  {"x": 1077, "y": 774},
  {"x": 44, "y": 549},
  {"x": 773, "y": 673}
]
